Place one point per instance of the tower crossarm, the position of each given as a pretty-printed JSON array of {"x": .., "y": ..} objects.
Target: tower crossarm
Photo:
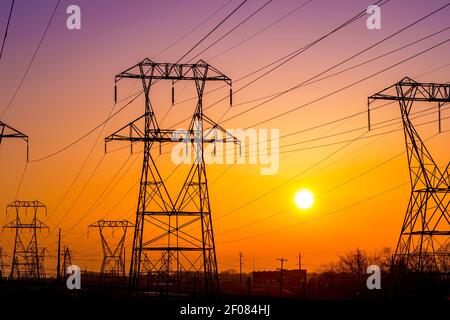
[
  {"x": 7, "y": 131},
  {"x": 425, "y": 92},
  {"x": 133, "y": 133},
  {"x": 26, "y": 204},
  {"x": 147, "y": 69},
  {"x": 111, "y": 224},
  {"x": 16, "y": 224}
]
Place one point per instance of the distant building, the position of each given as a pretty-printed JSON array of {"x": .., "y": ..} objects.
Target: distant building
[{"x": 269, "y": 282}]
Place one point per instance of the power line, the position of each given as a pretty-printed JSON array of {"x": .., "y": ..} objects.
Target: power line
[
  {"x": 347, "y": 143},
  {"x": 98, "y": 201},
  {"x": 233, "y": 29},
  {"x": 346, "y": 60},
  {"x": 293, "y": 178},
  {"x": 374, "y": 127},
  {"x": 124, "y": 196},
  {"x": 349, "y": 116},
  {"x": 192, "y": 30},
  {"x": 214, "y": 29},
  {"x": 135, "y": 96},
  {"x": 21, "y": 180},
  {"x": 31, "y": 61},
  {"x": 262, "y": 30},
  {"x": 367, "y": 137},
  {"x": 140, "y": 92},
  {"x": 350, "y": 85},
  {"x": 7, "y": 27},
  {"x": 346, "y": 132},
  {"x": 221, "y": 38},
  {"x": 352, "y": 140},
  {"x": 304, "y": 48},
  {"x": 283, "y": 60},
  {"x": 81, "y": 191},
  {"x": 209, "y": 33},
  {"x": 321, "y": 217},
  {"x": 297, "y": 52},
  {"x": 184, "y": 36},
  {"x": 309, "y": 82},
  {"x": 324, "y": 192}
]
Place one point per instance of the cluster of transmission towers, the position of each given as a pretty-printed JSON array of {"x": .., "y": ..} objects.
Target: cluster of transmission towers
[{"x": 173, "y": 240}]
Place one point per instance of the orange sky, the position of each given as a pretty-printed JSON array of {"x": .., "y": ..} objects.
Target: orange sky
[{"x": 69, "y": 90}]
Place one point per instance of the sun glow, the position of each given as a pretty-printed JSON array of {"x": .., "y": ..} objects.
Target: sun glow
[{"x": 304, "y": 199}]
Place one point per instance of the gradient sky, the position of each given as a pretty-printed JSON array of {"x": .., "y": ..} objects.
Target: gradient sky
[{"x": 69, "y": 90}]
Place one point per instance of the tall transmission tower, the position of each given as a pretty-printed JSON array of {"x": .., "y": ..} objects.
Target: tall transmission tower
[
  {"x": 175, "y": 247},
  {"x": 113, "y": 263},
  {"x": 423, "y": 245},
  {"x": 26, "y": 259}
]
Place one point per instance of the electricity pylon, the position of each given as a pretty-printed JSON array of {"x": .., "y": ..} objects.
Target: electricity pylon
[
  {"x": 423, "y": 245},
  {"x": 176, "y": 246},
  {"x": 26, "y": 259},
  {"x": 113, "y": 263},
  {"x": 66, "y": 261}
]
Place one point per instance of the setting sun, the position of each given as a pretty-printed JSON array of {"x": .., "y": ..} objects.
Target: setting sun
[{"x": 304, "y": 199}]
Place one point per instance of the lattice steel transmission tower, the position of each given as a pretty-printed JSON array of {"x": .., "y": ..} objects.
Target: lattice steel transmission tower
[
  {"x": 423, "y": 245},
  {"x": 26, "y": 258},
  {"x": 182, "y": 243},
  {"x": 66, "y": 257},
  {"x": 113, "y": 263},
  {"x": 67, "y": 260}
]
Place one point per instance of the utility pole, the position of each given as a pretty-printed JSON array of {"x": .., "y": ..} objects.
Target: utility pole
[
  {"x": 300, "y": 280},
  {"x": 282, "y": 261},
  {"x": 241, "y": 261},
  {"x": 173, "y": 218},
  {"x": 426, "y": 227},
  {"x": 58, "y": 266}
]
